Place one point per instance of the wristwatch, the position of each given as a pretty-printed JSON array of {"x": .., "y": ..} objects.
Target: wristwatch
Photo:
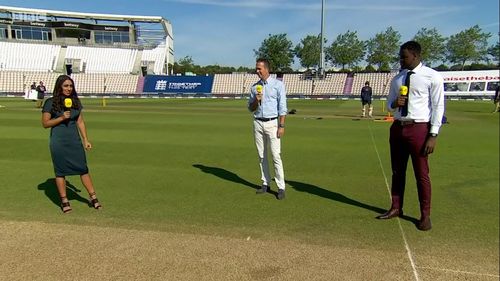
[
  {"x": 433, "y": 135},
  {"x": 281, "y": 125}
]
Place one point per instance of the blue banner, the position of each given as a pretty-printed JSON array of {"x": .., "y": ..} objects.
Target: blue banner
[{"x": 177, "y": 84}]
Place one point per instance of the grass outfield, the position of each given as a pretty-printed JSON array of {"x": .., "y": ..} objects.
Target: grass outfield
[{"x": 189, "y": 167}]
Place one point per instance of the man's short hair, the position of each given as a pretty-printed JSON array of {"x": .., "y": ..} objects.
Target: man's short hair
[
  {"x": 367, "y": 83},
  {"x": 412, "y": 46},
  {"x": 264, "y": 61}
]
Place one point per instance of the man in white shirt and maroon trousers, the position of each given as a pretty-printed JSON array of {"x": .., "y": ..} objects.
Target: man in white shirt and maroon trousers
[{"x": 417, "y": 99}]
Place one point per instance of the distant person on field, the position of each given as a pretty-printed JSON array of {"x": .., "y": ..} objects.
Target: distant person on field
[
  {"x": 268, "y": 104},
  {"x": 496, "y": 99},
  {"x": 416, "y": 97},
  {"x": 40, "y": 89},
  {"x": 67, "y": 131},
  {"x": 33, "y": 86},
  {"x": 366, "y": 100}
]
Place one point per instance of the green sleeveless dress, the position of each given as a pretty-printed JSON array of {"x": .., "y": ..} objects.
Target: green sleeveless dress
[{"x": 66, "y": 148}]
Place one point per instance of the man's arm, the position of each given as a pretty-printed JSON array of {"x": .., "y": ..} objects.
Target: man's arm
[
  {"x": 282, "y": 110},
  {"x": 392, "y": 98},
  {"x": 253, "y": 105},
  {"x": 253, "y": 102},
  {"x": 436, "y": 95}
]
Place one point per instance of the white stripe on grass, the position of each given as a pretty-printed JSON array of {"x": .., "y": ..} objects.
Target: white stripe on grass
[
  {"x": 408, "y": 251},
  {"x": 459, "y": 271}
]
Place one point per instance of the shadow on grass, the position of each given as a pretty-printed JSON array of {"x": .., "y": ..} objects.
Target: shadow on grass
[
  {"x": 318, "y": 191},
  {"x": 230, "y": 176},
  {"x": 50, "y": 189},
  {"x": 225, "y": 175}
]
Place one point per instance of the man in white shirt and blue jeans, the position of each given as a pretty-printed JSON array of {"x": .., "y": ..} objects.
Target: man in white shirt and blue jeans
[
  {"x": 268, "y": 104},
  {"x": 417, "y": 99}
]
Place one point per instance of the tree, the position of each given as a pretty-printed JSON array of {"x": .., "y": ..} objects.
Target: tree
[
  {"x": 494, "y": 52},
  {"x": 383, "y": 48},
  {"x": 308, "y": 51},
  {"x": 370, "y": 68},
  {"x": 347, "y": 49},
  {"x": 433, "y": 45},
  {"x": 278, "y": 50},
  {"x": 468, "y": 45},
  {"x": 185, "y": 64}
]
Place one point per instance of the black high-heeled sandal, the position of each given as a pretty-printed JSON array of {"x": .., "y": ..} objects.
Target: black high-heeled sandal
[
  {"x": 65, "y": 206},
  {"x": 93, "y": 202}
]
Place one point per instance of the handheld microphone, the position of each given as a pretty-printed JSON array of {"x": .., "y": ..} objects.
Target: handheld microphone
[
  {"x": 403, "y": 90},
  {"x": 68, "y": 103},
  {"x": 258, "y": 88}
]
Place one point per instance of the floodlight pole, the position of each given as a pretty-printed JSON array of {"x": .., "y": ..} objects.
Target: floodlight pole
[{"x": 322, "y": 52}]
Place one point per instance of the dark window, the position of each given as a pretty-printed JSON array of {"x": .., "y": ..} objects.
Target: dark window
[
  {"x": 125, "y": 37},
  {"x": 37, "y": 35},
  {"x": 492, "y": 86},
  {"x": 116, "y": 37},
  {"x": 26, "y": 33},
  {"x": 107, "y": 38},
  {"x": 3, "y": 31}
]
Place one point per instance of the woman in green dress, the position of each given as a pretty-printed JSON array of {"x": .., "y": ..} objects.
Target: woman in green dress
[{"x": 63, "y": 115}]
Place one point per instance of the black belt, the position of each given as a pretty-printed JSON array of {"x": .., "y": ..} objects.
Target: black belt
[
  {"x": 266, "y": 119},
  {"x": 409, "y": 122}
]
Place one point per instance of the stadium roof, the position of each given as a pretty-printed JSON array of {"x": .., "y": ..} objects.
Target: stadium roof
[{"x": 82, "y": 15}]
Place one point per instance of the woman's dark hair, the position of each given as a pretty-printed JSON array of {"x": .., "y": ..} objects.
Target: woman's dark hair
[{"x": 58, "y": 97}]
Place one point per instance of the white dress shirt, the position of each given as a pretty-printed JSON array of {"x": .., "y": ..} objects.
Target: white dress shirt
[
  {"x": 425, "y": 96},
  {"x": 273, "y": 103}
]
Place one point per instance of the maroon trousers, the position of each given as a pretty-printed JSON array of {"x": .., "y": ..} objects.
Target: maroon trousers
[{"x": 409, "y": 140}]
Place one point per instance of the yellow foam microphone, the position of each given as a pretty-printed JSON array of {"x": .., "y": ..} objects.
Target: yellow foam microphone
[
  {"x": 403, "y": 90},
  {"x": 258, "y": 88},
  {"x": 68, "y": 103}
]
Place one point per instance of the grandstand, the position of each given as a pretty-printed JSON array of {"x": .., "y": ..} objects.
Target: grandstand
[
  {"x": 104, "y": 53},
  {"x": 334, "y": 84},
  {"x": 111, "y": 55},
  {"x": 380, "y": 82}
]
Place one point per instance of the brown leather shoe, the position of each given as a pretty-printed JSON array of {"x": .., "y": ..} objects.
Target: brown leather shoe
[
  {"x": 424, "y": 224},
  {"x": 392, "y": 213}
]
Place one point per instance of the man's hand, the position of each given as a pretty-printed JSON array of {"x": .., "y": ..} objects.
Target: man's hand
[
  {"x": 281, "y": 132},
  {"x": 430, "y": 143},
  {"x": 399, "y": 102},
  {"x": 258, "y": 97}
]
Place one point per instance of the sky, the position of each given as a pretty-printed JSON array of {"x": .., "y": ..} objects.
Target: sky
[{"x": 226, "y": 32}]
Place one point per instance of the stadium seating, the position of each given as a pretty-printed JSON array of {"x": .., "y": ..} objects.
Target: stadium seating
[
  {"x": 235, "y": 83},
  {"x": 13, "y": 82},
  {"x": 103, "y": 60},
  {"x": 296, "y": 85},
  {"x": 121, "y": 84},
  {"x": 48, "y": 78},
  {"x": 156, "y": 55},
  {"x": 332, "y": 84},
  {"x": 28, "y": 57},
  {"x": 229, "y": 83},
  {"x": 380, "y": 83},
  {"x": 89, "y": 83},
  {"x": 20, "y": 82},
  {"x": 224, "y": 84},
  {"x": 105, "y": 83}
]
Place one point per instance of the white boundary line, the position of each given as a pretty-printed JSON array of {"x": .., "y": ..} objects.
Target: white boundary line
[
  {"x": 408, "y": 251},
  {"x": 410, "y": 255},
  {"x": 459, "y": 271}
]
